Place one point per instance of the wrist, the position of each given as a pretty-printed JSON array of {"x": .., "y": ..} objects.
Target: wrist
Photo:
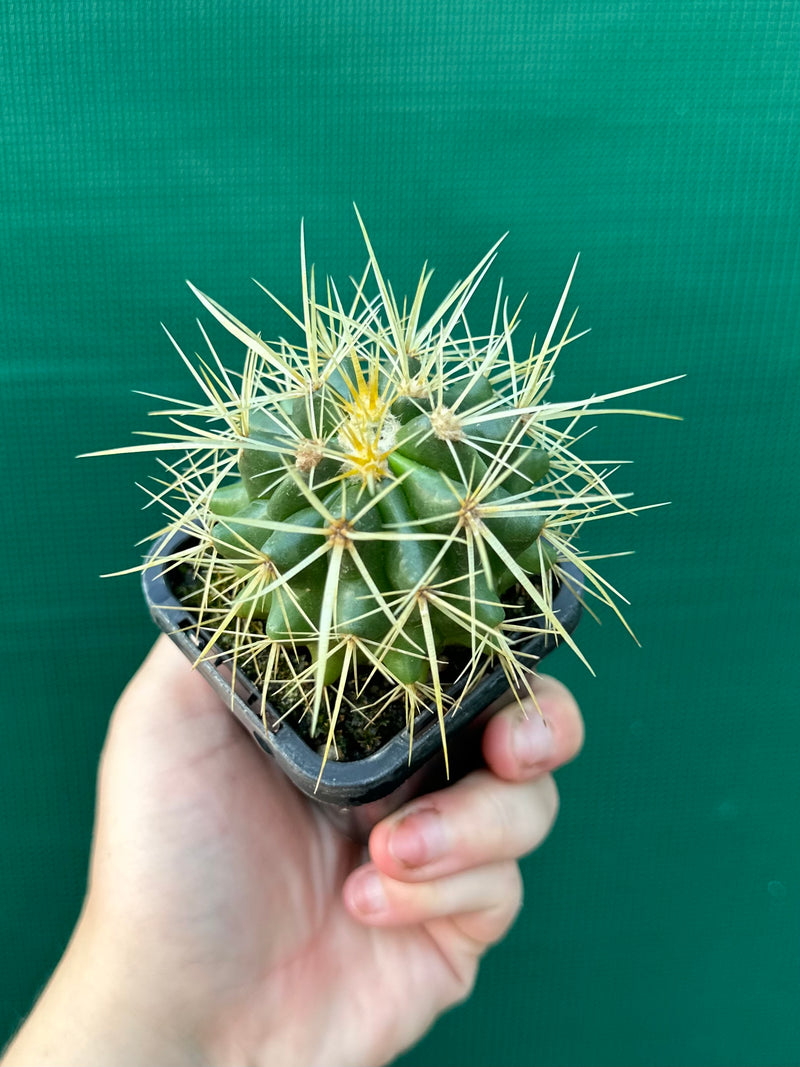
[{"x": 97, "y": 1010}]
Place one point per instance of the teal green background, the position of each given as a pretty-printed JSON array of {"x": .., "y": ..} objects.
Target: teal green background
[{"x": 146, "y": 143}]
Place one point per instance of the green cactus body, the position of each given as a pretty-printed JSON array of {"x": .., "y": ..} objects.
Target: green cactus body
[
  {"x": 384, "y": 498},
  {"x": 415, "y": 494}
]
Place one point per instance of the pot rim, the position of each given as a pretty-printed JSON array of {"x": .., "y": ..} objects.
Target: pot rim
[{"x": 338, "y": 782}]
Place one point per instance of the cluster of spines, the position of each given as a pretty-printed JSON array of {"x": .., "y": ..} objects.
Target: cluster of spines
[{"x": 380, "y": 494}]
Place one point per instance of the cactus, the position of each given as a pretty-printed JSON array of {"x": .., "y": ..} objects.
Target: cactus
[{"x": 388, "y": 495}]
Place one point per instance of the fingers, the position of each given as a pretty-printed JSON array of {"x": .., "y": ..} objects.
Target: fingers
[
  {"x": 453, "y": 853},
  {"x": 520, "y": 743},
  {"x": 493, "y": 891},
  {"x": 479, "y": 820}
]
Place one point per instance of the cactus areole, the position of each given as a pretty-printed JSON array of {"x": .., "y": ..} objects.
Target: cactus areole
[{"x": 380, "y": 514}]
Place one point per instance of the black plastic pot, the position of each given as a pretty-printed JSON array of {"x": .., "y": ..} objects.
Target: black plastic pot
[{"x": 356, "y": 794}]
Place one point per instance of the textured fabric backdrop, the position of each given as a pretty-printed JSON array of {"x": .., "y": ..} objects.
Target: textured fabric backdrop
[{"x": 149, "y": 142}]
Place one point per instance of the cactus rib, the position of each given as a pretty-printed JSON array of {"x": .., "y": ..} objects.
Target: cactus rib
[{"x": 378, "y": 493}]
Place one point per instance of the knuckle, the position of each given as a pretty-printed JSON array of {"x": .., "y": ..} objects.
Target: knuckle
[
  {"x": 511, "y": 820},
  {"x": 514, "y": 891},
  {"x": 550, "y": 801},
  {"x": 497, "y": 820},
  {"x": 466, "y": 978},
  {"x": 509, "y": 898},
  {"x": 541, "y": 812}
]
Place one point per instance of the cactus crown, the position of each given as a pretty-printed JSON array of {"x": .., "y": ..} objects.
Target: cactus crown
[{"x": 391, "y": 489}]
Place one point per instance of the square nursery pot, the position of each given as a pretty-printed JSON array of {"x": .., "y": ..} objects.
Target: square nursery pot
[{"x": 355, "y": 794}]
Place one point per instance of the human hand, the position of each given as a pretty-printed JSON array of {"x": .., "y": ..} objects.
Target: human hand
[{"x": 227, "y": 922}]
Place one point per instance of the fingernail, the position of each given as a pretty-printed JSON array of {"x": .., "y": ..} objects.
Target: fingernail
[
  {"x": 366, "y": 892},
  {"x": 533, "y": 741},
  {"x": 418, "y": 838}
]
